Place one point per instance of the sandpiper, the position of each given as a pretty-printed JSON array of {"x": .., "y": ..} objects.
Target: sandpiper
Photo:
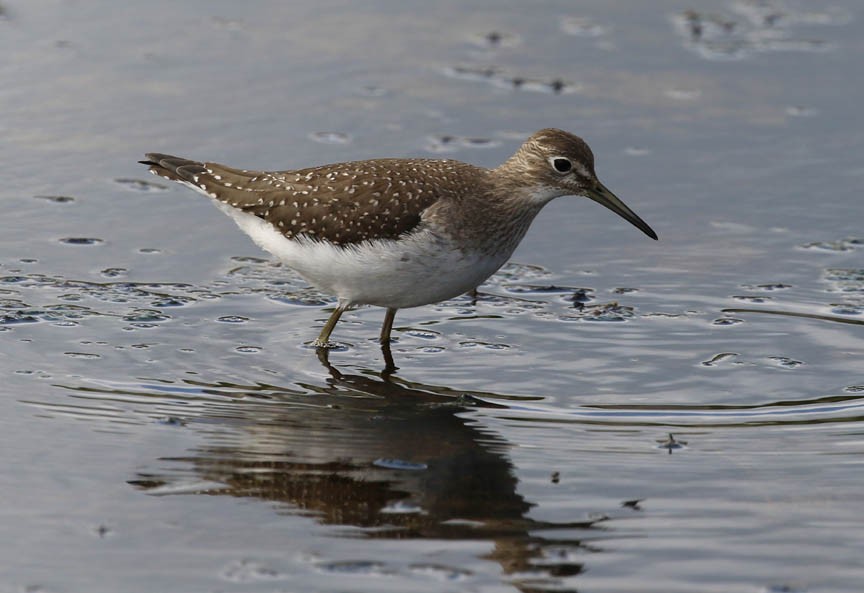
[{"x": 398, "y": 233}]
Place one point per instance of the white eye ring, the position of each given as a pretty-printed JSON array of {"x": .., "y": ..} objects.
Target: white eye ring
[{"x": 561, "y": 164}]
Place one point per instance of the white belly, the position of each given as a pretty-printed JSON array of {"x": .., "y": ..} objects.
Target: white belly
[{"x": 416, "y": 270}]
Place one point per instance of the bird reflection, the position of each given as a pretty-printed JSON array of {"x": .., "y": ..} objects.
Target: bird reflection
[{"x": 399, "y": 459}]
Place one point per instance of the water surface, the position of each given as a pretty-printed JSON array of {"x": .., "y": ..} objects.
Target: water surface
[{"x": 606, "y": 414}]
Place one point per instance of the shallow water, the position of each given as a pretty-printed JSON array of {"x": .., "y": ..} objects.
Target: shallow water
[{"x": 607, "y": 413}]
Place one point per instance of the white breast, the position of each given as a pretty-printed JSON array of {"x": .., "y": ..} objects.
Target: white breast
[{"x": 419, "y": 269}]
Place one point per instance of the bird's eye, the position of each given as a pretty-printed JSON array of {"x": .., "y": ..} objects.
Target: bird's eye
[{"x": 561, "y": 164}]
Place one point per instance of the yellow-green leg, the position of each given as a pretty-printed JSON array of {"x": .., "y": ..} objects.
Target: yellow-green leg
[
  {"x": 388, "y": 326},
  {"x": 323, "y": 340}
]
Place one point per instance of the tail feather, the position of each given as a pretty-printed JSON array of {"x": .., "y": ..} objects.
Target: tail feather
[{"x": 172, "y": 167}]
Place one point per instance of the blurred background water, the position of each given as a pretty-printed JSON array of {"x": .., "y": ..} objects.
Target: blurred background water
[{"x": 607, "y": 413}]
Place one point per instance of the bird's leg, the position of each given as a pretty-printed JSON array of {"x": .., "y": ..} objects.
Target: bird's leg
[
  {"x": 388, "y": 326},
  {"x": 323, "y": 340},
  {"x": 389, "y": 365}
]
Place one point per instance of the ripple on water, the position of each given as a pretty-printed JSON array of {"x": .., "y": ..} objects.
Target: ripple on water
[
  {"x": 146, "y": 316},
  {"x": 441, "y": 572},
  {"x": 840, "y": 245},
  {"x": 752, "y": 298},
  {"x": 140, "y": 185},
  {"x": 358, "y": 567},
  {"x": 330, "y": 137},
  {"x": 847, "y": 309},
  {"x": 720, "y": 358},
  {"x": 114, "y": 272},
  {"x": 785, "y": 362},
  {"x": 516, "y": 82},
  {"x": 750, "y": 28},
  {"x": 423, "y": 334},
  {"x": 727, "y": 321},
  {"x": 232, "y": 319},
  {"x": 399, "y": 464},
  {"x": 613, "y": 312},
  {"x": 495, "y": 40},
  {"x": 248, "y": 349},
  {"x": 768, "y": 287},
  {"x": 83, "y": 355},
  {"x": 850, "y": 280},
  {"x": 56, "y": 199},
  {"x": 582, "y": 27},
  {"x": 251, "y": 571},
  {"x": 448, "y": 143},
  {"x": 485, "y": 345},
  {"x": 81, "y": 241}
]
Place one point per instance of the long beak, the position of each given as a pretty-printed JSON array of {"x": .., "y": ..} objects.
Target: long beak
[{"x": 602, "y": 195}]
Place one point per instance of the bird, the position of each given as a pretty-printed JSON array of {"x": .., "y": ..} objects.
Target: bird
[{"x": 398, "y": 232}]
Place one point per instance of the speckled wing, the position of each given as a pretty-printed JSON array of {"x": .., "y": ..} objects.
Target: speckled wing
[{"x": 343, "y": 203}]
